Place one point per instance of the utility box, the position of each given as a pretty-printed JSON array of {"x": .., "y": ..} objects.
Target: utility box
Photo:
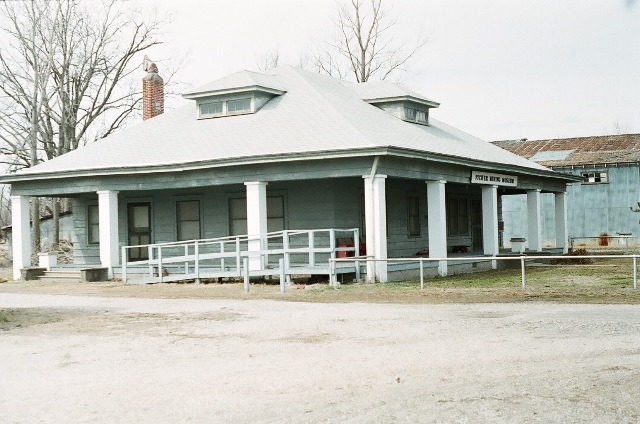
[{"x": 518, "y": 244}]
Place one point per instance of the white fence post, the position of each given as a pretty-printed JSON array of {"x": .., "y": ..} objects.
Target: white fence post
[
  {"x": 356, "y": 253},
  {"x": 332, "y": 242},
  {"x": 635, "y": 271},
  {"x": 522, "y": 272},
  {"x": 160, "y": 273},
  {"x": 186, "y": 261},
  {"x": 222, "y": 266},
  {"x": 283, "y": 282},
  {"x": 246, "y": 274},
  {"x": 312, "y": 253},
  {"x": 333, "y": 278},
  {"x": 150, "y": 255},
  {"x": 238, "y": 264},
  {"x": 287, "y": 255},
  {"x": 196, "y": 264},
  {"x": 124, "y": 265},
  {"x": 421, "y": 274}
]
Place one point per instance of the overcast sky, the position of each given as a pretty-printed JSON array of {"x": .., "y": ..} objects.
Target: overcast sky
[{"x": 501, "y": 69}]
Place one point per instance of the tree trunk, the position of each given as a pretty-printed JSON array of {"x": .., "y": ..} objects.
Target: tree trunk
[
  {"x": 35, "y": 226},
  {"x": 55, "y": 236}
]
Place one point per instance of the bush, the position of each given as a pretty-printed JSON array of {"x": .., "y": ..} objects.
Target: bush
[{"x": 574, "y": 261}]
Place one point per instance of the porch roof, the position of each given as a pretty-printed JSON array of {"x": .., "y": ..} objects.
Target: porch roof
[{"x": 317, "y": 117}]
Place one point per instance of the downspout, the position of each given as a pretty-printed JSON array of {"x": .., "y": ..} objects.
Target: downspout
[{"x": 374, "y": 166}]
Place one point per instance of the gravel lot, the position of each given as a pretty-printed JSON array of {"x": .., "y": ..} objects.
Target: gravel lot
[{"x": 76, "y": 359}]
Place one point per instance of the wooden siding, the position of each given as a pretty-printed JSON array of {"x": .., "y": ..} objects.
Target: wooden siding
[{"x": 310, "y": 204}]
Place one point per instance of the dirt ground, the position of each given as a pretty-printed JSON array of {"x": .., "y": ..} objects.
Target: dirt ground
[{"x": 91, "y": 359}]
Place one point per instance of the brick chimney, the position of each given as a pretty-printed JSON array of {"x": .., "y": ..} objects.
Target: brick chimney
[{"x": 152, "y": 91}]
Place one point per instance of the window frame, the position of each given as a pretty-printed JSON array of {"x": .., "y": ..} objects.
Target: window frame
[
  {"x": 178, "y": 220},
  {"x": 596, "y": 175},
  {"x": 90, "y": 224},
  {"x": 225, "y": 107},
  {"x": 238, "y": 112},
  {"x": 210, "y": 115},
  {"x": 454, "y": 203},
  {"x": 416, "y": 231},
  {"x": 231, "y": 219},
  {"x": 415, "y": 112}
]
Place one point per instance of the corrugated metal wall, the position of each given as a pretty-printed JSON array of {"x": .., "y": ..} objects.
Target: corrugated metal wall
[{"x": 592, "y": 208}]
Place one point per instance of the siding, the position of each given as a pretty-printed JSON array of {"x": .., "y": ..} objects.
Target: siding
[
  {"x": 592, "y": 209},
  {"x": 309, "y": 204}
]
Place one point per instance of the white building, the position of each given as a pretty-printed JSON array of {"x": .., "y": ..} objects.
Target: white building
[{"x": 285, "y": 151}]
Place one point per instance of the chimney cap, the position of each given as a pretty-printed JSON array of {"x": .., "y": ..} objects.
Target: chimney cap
[{"x": 152, "y": 70}]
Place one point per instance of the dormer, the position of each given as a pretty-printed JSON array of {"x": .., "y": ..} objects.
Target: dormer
[
  {"x": 402, "y": 103},
  {"x": 238, "y": 94}
]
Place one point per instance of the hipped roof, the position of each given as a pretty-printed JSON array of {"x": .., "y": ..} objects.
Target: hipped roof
[{"x": 317, "y": 115}]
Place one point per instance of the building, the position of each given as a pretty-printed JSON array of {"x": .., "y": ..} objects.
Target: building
[
  {"x": 65, "y": 230},
  {"x": 255, "y": 157},
  {"x": 609, "y": 167}
]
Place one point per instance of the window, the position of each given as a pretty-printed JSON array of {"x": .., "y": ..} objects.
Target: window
[
  {"x": 188, "y": 219},
  {"x": 238, "y": 215},
  {"x": 210, "y": 108},
  {"x": 595, "y": 178},
  {"x": 410, "y": 113},
  {"x": 275, "y": 213},
  {"x": 93, "y": 227},
  {"x": 238, "y": 106},
  {"x": 457, "y": 217},
  {"x": 413, "y": 216},
  {"x": 416, "y": 115}
]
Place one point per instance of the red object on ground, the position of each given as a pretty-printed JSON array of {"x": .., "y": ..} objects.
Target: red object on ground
[{"x": 347, "y": 254}]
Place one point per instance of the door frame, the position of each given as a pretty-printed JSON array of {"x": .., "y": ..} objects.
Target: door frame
[{"x": 149, "y": 204}]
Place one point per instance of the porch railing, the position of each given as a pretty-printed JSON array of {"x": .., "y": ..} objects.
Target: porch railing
[{"x": 289, "y": 252}]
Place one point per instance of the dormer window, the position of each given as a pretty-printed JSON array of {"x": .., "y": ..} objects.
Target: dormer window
[
  {"x": 416, "y": 115},
  {"x": 401, "y": 103},
  {"x": 238, "y": 106},
  {"x": 208, "y": 109},
  {"x": 238, "y": 94}
]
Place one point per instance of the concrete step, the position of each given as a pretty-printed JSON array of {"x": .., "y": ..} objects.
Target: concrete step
[{"x": 67, "y": 275}]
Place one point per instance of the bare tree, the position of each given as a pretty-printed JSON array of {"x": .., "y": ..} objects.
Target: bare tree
[
  {"x": 268, "y": 61},
  {"x": 68, "y": 80},
  {"x": 365, "y": 45},
  {"x": 24, "y": 74}
]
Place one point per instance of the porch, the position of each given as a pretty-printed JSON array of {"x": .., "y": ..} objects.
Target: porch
[{"x": 192, "y": 233}]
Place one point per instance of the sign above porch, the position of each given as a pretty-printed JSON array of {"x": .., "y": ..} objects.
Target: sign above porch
[{"x": 480, "y": 177}]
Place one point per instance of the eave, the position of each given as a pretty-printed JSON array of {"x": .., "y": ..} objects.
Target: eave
[
  {"x": 246, "y": 89},
  {"x": 425, "y": 102},
  {"x": 288, "y": 157}
]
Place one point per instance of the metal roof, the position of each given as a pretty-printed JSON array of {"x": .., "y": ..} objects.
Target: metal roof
[
  {"x": 562, "y": 152},
  {"x": 318, "y": 115}
]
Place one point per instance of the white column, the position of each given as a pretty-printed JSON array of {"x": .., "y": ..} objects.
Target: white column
[
  {"x": 490, "y": 221},
  {"x": 256, "y": 221},
  {"x": 376, "y": 222},
  {"x": 21, "y": 234},
  {"x": 561, "y": 222},
  {"x": 534, "y": 222},
  {"x": 108, "y": 225},
  {"x": 437, "y": 221}
]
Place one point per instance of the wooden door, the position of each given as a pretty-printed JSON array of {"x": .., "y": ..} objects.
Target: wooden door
[{"x": 139, "y": 229}]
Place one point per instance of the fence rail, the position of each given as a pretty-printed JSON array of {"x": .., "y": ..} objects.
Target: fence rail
[
  {"x": 333, "y": 280},
  {"x": 275, "y": 253}
]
